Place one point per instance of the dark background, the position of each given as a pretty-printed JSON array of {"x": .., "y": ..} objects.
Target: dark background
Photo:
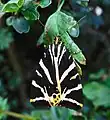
[{"x": 20, "y": 58}]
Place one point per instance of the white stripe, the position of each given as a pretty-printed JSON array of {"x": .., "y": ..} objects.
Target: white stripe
[
  {"x": 58, "y": 51},
  {"x": 50, "y": 53},
  {"x": 38, "y": 73},
  {"x": 42, "y": 90},
  {"x": 63, "y": 51},
  {"x": 35, "y": 84},
  {"x": 68, "y": 92},
  {"x": 72, "y": 101},
  {"x": 56, "y": 62},
  {"x": 56, "y": 68},
  {"x": 67, "y": 71},
  {"x": 64, "y": 91},
  {"x": 69, "y": 57},
  {"x": 44, "y": 55},
  {"x": 73, "y": 89},
  {"x": 74, "y": 77},
  {"x": 45, "y": 71},
  {"x": 38, "y": 99},
  {"x": 38, "y": 86}
]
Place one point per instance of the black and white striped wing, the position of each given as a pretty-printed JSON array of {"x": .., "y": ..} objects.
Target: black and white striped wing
[{"x": 56, "y": 81}]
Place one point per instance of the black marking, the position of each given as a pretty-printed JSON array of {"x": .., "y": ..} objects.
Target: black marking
[{"x": 57, "y": 82}]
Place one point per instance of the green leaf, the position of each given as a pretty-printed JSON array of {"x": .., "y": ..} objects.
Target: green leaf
[
  {"x": 53, "y": 113},
  {"x": 63, "y": 113},
  {"x": 12, "y": 6},
  {"x": 79, "y": 57},
  {"x": 9, "y": 20},
  {"x": 31, "y": 15},
  {"x": 98, "y": 93},
  {"x": 40, "y": 40},
  {"x": 58, "y": 25},
  {"x": 3, "y": 106},
  {"x": 30, "y": 12},
  {"x": 108, "y": 114},
  {"x": 39, "y": 114},
  {"x": 78, "y": 68},
  {"x": 65, "y": 22},
  {"x": 83, "y": 3},
  {"x": 98, "y": 75},
  {"x": 51, "y": 29},
  {"x": 73, "y": 49},
  {"x": 1, "y": 6},
  {"x": 5, "y": 39},
  {"x": 74, "y": 31},
  {"x": 44, "y": 3},
  {"x": 21, "y": 25},
  {"x": 107, "y": 81},
  {"x": 20, "y": 3}
]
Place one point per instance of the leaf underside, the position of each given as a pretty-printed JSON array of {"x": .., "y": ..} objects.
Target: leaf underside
[{"x": 61, "y": 25}]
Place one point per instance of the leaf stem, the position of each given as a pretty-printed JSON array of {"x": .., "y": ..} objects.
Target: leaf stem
[
  {"x": 17, "y": 115},
  {"x": 60, "y": 4},
  {"x": 85, "y": 118},
  {"x": 82, "y": 19},
  {"x": 41, "y": 23}
]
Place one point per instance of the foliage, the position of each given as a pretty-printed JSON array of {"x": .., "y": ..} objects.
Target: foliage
[
  {"x": 55, "y": 27},
  {"x": 3, "y": 106},
  {"x": 58, "y": 113},
  {"x": 5, "y": 38},
  {"x": 65, "y": 24},
  {"x": 26, "y": 10},
  {"x": 19, "y": 24},
  {"x": 96, "y": 92}
]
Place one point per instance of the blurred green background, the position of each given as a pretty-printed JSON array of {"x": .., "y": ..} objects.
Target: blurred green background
[{"x": 18, "y": 56}]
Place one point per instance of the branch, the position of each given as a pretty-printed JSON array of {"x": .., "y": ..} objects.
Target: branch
[
  {"x": 17, "y": 115},
  {"x": 60, "y": 4}
]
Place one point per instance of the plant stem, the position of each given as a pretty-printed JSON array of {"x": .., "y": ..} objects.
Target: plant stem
[
  {"x": 60, "y": 4},
  {"x": 41, "y": 23},
  {"x": 85, "y": 118},
  {"x": 17, "y": 115}
]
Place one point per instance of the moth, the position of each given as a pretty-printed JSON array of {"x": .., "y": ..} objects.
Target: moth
[{"x": 57, "y": 81}]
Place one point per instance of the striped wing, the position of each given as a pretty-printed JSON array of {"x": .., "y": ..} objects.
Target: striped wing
[{"x": 56, "y": 81}]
